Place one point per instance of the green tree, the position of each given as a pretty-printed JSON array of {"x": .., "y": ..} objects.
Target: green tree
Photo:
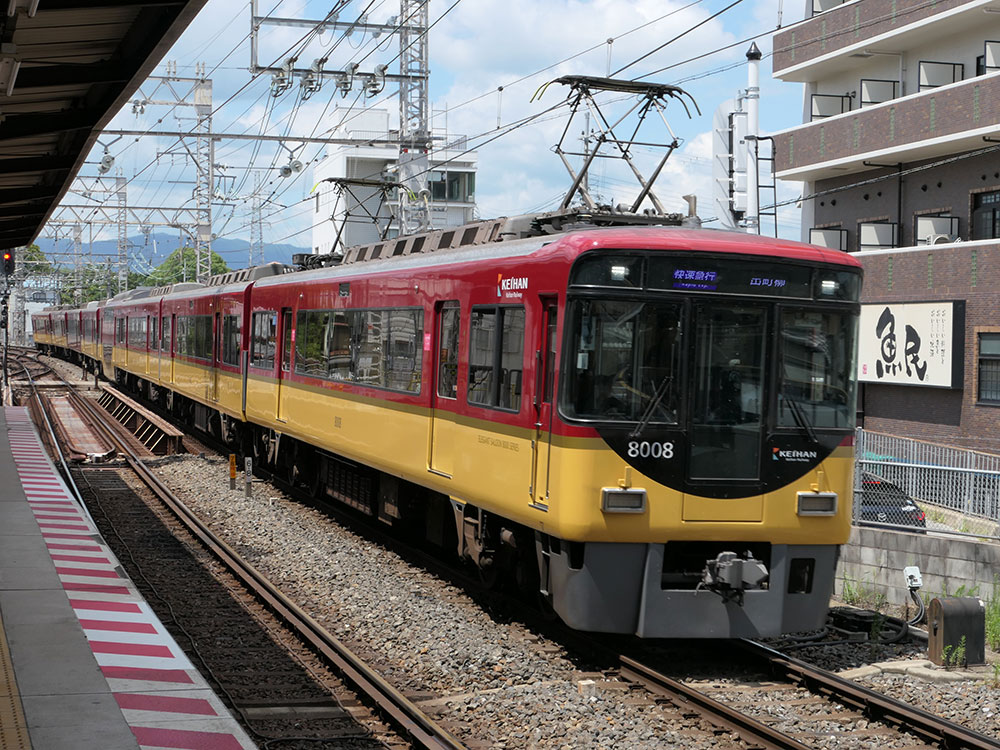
[
  {"x": 182, "y": 265},
  {"x": 34, "y": 262}
]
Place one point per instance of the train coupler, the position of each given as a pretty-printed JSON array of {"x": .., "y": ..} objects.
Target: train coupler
[{"x": 729, "y": 575}]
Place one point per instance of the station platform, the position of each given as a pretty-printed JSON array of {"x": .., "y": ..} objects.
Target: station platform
[{"x": 84, "y": 662}]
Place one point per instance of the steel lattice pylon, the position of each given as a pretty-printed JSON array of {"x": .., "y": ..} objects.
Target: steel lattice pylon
[
  {"x": 414, "y": 130},
  {"x": 204, "y": 186}
]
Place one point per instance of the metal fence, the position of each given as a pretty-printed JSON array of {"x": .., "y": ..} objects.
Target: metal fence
[{"x": 919, "y": 486}]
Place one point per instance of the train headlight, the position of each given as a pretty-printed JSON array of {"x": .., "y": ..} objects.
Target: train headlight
[
  {"x": 616, "y": 500},
  {"x": 817, "y": 504}
]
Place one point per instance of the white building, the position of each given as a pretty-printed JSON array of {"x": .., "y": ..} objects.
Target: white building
[{"x": 451, "y": 183}]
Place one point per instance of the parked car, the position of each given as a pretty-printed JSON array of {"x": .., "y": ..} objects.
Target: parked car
[{"x": 881, "y": 502}]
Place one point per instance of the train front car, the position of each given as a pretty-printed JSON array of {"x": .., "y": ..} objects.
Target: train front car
[{"x": 720, "y": 371}]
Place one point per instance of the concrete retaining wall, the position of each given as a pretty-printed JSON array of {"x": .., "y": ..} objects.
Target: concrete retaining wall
[{"x": 873, "y": 560}]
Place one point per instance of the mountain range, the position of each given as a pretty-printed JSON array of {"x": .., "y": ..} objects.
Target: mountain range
[{"x": 144, "y": 256}]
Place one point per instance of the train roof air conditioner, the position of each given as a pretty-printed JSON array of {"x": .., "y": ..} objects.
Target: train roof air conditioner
[{"x": 941, "y": 239}]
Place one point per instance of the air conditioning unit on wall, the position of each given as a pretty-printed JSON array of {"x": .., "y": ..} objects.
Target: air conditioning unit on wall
[{"x": 941, "y": 239}]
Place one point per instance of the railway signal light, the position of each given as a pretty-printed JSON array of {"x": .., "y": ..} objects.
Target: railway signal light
[{"x": 8, "y": 262}]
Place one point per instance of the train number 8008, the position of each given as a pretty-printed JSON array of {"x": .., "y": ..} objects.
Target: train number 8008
[{"x": 647, "y": 449}]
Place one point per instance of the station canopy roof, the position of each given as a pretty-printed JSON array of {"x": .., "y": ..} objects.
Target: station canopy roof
[{"x": 66, "y": 68}]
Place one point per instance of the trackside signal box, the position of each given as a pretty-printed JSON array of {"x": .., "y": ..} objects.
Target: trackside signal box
[{"x": 956, "y": 632}]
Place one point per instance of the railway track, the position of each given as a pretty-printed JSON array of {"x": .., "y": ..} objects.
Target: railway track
[
  {"x": 418, "y": 729},
  {"x": 897, "y": 720}
]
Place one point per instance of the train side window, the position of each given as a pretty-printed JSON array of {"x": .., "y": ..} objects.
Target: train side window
[
  {"x": 496, "y": 356},
  {"x": 373, "y": 327},
  {"x": 340, "y": 342},
  {"x": 310, "y": 340},
  {"x": 165, "y": 334},
  {"x": 286, "y": 350},
  {"x": 265, "y": 328},
  {"x": 482, "y": 354},
  {"x": 448, "y": 334},
  {"x": 153, "y": 333},
  {"x": 403, "y": 349},
  {"x": 120, "y": 330},
  {"x": 231, "y": 329}
]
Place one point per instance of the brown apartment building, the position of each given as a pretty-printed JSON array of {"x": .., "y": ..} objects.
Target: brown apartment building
[{"x": 900, "y": 150}]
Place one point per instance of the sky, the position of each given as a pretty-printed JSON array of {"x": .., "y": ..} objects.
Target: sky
[{"x": 475, "y": 47}]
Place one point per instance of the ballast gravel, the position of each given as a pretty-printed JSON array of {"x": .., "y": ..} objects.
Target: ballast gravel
[{"x": 494, "y": 683}]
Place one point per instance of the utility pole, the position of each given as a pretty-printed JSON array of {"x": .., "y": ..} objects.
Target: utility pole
[
  {"x": 256, "y": 225},
  {"x": 752, "y": 218},
  {"x": 17, "y": 325}
]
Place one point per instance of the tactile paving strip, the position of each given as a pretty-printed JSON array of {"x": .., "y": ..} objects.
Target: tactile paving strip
[
  {"x": 165, "y": 701},
  {"x": 13, "y": 730}
]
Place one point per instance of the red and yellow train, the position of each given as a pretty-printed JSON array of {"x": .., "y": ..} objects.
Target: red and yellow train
[{"x": 652, "y": 427}]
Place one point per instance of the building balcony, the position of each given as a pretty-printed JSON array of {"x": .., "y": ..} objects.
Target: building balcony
[
  {"x": 838, "y": 36},
  {"x": 930, "y": 124}
]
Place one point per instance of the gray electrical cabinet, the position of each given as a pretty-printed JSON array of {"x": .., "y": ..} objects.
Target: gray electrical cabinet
[{"x": 956, "y": 632}]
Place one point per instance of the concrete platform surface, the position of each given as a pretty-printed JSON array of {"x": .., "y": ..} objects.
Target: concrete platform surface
[{"x": 93, "y": 667}]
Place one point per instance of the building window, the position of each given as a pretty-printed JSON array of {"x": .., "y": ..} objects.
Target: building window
[
  {"x": 989, "y": 367},
  {"x": 877, "y": 235},
  {"x": 934, "y": 74},
  {"x": 833, "y": 238},
  {"x": 934, "y": 229},
  {"x": 876, "y": 91},
  {"x": 828, "y": 105},
  {"x": 452, "y": 186},
  {"x": 822, "y": 6},
  {"x": 991, "y": 57},
  {"x": 986, "y": 215}
]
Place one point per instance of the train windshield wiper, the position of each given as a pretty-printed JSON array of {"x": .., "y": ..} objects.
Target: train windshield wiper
[
  {"x": 800, "y": 418},
  {"x": 658, "y": 394}
]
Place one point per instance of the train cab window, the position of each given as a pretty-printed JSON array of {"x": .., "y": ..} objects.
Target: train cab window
[
  {"x": 448, "y": 333},
  {"x": 817, "y": 370},
  {"x": 496, "y": 356},
  {"x": 727, "y": 401},
  {"x": 231, "y": 330},
  {"x": 624, "y": 361},
  {"x": 263, "y": 339}
]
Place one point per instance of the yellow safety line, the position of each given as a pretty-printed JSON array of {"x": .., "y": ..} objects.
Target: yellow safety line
[{"x": 13, "y": 728}]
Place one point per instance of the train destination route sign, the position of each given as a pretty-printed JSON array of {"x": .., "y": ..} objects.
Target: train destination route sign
[{"x": 912, "y": 343}]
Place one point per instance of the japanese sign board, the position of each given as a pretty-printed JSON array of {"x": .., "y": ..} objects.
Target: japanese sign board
[{"x": 916, "y": 343}]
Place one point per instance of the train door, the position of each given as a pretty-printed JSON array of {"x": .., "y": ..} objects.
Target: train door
[
  {"x": 544, "y": 393},
  {"x": 284, "y": 336},
  {"x": 444, "y": 390},
  {"x": 213, "y": 380},
  {"x": 170, "y": 346}
]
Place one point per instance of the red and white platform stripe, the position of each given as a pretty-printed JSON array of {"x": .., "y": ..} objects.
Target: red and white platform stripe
[{"x": 164, "y": 700}]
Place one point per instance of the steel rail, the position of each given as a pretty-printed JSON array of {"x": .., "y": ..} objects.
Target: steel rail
[
  {"x": 402, "y": 712},
  {"x": 935, "y": 729},
  {"x": 67, "y": 476},
  {"x": 683, "y": 696}
]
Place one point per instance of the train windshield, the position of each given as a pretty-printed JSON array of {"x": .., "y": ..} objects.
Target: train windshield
[
  {"x": 817, "y": 369},
  {"x": 625, "y": 361}
]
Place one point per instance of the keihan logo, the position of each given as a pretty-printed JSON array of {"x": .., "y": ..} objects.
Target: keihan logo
[
  {"x": 779, "y": 455},
  {"x": 512, "y": 285}
]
